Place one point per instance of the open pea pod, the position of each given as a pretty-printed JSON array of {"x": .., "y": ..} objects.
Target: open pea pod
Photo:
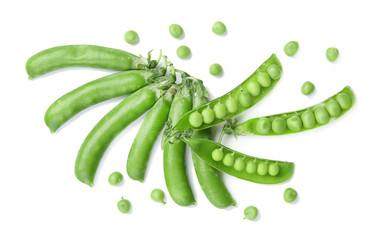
[
  {"x": 239, "y": 165},
  {"x": 301, "y": 120},
  {"x": 241, "y": 98}
]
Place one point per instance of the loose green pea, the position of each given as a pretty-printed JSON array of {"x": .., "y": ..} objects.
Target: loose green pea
[
  {"x": 157, "y": 195},
  {"x": 308, "y": 119},
  {"x": 123, "y": 205},
  {"x": 115, "y": 178},
  {"x": 208, "y": 115},
  {"x": 322, "y": 116},
  {"x": 291, "y": 48},
  {"x": 228, "y": 160},
  {"x": 290, "y": 195},
  {"x": 183, "y": 52},
  {"x": 307, "y": 88},
  {"x": 217, "y": 154},
  {"x": 250, "y": 213},
  {"x": 263, "y": 125},
  {"x": 216, "y": 69},
  {"x": 131, "y": 37},
  {"x": 278, "y": 125},
  {"x": 251, "y": 167},
  {"x": 245, "y": 99},
  {"x": 294, "y": 123},
  {"x": 176, "y": 30},
  {"x": 274, "y": 169},
  {"x": 274, "y": 71},
  {"x": 220, "y": 110},
  {"x": 232, "y": 105},
  {"x": 262, "y": 169},
  {"x": 263, "y": 79},
  {"x": 239, "y": 164},
  {"x": 332, "y": 54},
  {"x": 253, "y": 87},
  {"x": 344, "y": 100},
  {"x": 219, "y": 28},
  {"x": 333, "y": 108},
  {"x": 195, "y": 119}
]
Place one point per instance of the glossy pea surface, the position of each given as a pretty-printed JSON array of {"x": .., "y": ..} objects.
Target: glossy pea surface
[
  {"x": 333, "y": 108},
  {"x": 232, "y": 105},
  {"x": 274, "y": 71},
  {"x": 131, "y": 37},
  {"x": 208, "y": 115},
  {"x": 273, "y": 169},
  {"x": 250, "y": 213},
  {"x": 344, "y": 100},
  {"x": 115, "y": 178},
  {"x": 321, "y": 115},
  {"x": 262, "y": 168},
  {"x": 219, "y": 28},
  {"x": 183, "y": 52},
  {"x": 253, "y": 87},
  {"x": 294, "y": 123},
  {"x": 157, "y": 195},
  {"x": 307, "y": 88},
  {"x": 176, "y": 30},
  {"x": 123, "y": 205},
  {"x": 264, "y": 80},
  {"x": 308, "y": 119},
  {"x": 291, "y": 48},
  {"x": 278, "y": 125},
  {"x": 239, "y": 164},
  {"x": 332, "y": 54},
  {"x": 228, "y": 160},
  {"x": 196, "y": 119},
  {"x": 245, "y": 99},
  {"x": 263, "y": 126},
  {"x": 217, "y": 154},
  {"x": 220, "y": 110},
  {"x": 251, "y": 167},
  {"x": 290, "y": 195},
  {"x": 216, "y": 69}
]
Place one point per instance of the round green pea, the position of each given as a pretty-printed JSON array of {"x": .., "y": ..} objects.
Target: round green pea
[
  {"x": 217, "y": 154},
  {"x": 294, "y": 123},
  {"x": 157, "y": 195},
  {"x": 131, "y": 37},
  {"x": 239, "y": 164},
  {"x": 253, "y": 87},
  {"x": 216, "y": 69},
  {"x": 333, "y": 108},
  {"x": 307, "y": 88},
  {"x": 228, "y": 160},
  {"x": 263, "y": 125},
  {"x": 278, "y": 125},
  {"x": 195, "y": 119},
  {"x": 250, "y": 213},
  {"x": 183, "y": 52},
  {"x": 322, "y": 116},
  {"x": 344, "y": 100},
  {"x": 291, "y": 48},
  {"x": 123, "y": 205},
  {"x": 208, "y": 115},
  {"x": 274, "y": 169},
  {"x": 274, "y": 71},
  {"x": 262, "y": 169},
  {"x": 176, "y": 30},
  {"x": 245, "y": 99},
  {"x": 232, "y": 105},
  {"x": 220, "y": 110},
  {"x": 308, "y": 119},
  {"x": 251, "y": 167},
  {"x": 219, "y": 28},
  {"x": 290, "y": 195},
  {"x": 332, "y": 54},
  {"x": 263, "y": 79},
  {"x": 115, "y": 178}
]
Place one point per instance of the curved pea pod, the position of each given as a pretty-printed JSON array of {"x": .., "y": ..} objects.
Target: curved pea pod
[
  {"x": 82, "y": 56},
  {"x": 301, "y": 120},
  {"x": 258, "y": 85},
  {"x": 243, "y": 166}
]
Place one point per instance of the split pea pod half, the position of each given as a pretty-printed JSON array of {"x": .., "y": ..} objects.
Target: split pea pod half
[
  {"x": 102, "y": 89},
  {"x": 301, "y": 120},
  {"x": 174, "y": 153},
  {"x": 241, "y": 98},
  {"x": 239, "y": 165},
  {"x": 151, "y": 127},
  {"x": 83, "y": 56},
  {"x": 100, "y": 137}
]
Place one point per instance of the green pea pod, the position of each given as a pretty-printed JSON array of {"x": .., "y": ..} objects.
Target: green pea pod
[
  {"x": 242, "y": 166},
  {"x": 301, "y": 120},
  {"x": 241, "y": 98},
  {"x": 153, "y": 124},
  {"x": 111, "y": 86},
  {"x": 100, "y": 137},
  {"x": 84, "y": 56}
]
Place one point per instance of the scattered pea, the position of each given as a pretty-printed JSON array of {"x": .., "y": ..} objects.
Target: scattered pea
[
  {"x": 251, "y": 167},
  {"x": 131, "y": 37},
  {"x": 274, "y": 169},
  {"x": 228, "y": 160},
  {"x": 332, "y": 54},
  {"x": 344, "y": 100},
  {"x": 195, "y": 119},
  {"x": 220, "y": 110},
  {"x": 307, "y": 88},
  {"x": 250, "y": 213},
  {"x": 263, "y": 125},
  {"x": 115, "y": 178},
  {"x": 291, "y": 48},
  {"x": 253, "y": 87},
  {"x": 157, "y": 195},
  {"x": 123, "y": 205},
  {"x": 208, "y": 115},
  {"x": 232, "y": 105},
  {"x": 262, "y": 169},
  {"x": 263, "y": 79},
  {"x": 216, "y": 69},
  {"x": 290, "y": 195},
  {"x": 278, "y": 125},
  {"x": 239, "y": 164},
  {"x": 244, "y": 99},
  {"x": 183, "y": 52},
  {"x": 294, "y": 123},
  {"x": 322, "y": 116},
  {"x": 217, "y": 154},
  {"x": 219, "y": 28},
  {"x": 333, "y": 108},
  {"x": 176, "y": 30},
  {"x": 308, "y": 119},
  {"x": 274, "y": 71}
]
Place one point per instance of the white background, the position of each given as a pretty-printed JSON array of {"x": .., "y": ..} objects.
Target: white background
[{"x": 338, "y": 167}]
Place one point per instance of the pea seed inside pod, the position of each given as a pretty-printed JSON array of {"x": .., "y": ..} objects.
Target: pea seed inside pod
[
  {"x": 263, "y": 125},
  {"x": 263, "y": 79},
  {"x": 217, "y": 154},
  {"x": 239, "y": 164},
  {"x": 308, "y": 119},
  {"x": 208, "y": 115},
  {"x": 195, "y": 119},
  {"x": 228, "y": 160},
  {"x": 262, "y": 169},
  {"x": 322, "y": 116},
  {"x": 220, "y": 110},
  {"x": 245, "y": 99},
  {"x": 251, "y": 167},
  {"x": 333, "y": 108},
  {"x": 273, "y": 169},
  {"x": 274, "y": 71},
  {"x": 253, "y": 87},
  {"x": 232, "y": 105},
  {"x": 294, "y": 123},
  {"x": 344, "y": 100},
  {"x": 278, "y": 125}
]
